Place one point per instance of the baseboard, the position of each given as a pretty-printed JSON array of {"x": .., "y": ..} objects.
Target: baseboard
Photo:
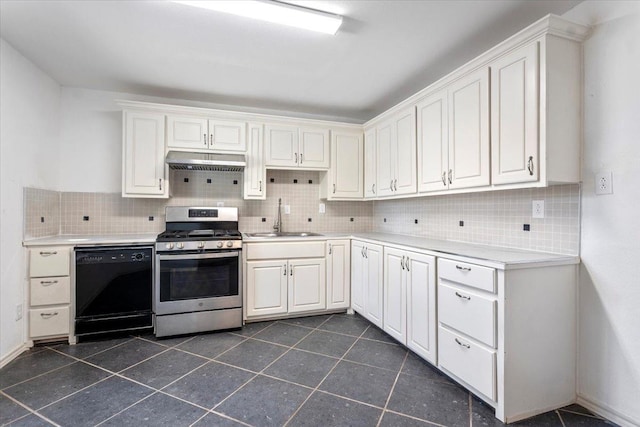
[
  {"x": 13, "y": 354},
  {"x": 607, "y": 412}
]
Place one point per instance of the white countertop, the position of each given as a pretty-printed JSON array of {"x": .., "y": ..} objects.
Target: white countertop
[
  {"x": 504, "y": 258},
  {"x": 82, "y": 240}
]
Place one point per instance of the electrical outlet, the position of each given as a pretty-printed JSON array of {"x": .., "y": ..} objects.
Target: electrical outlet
[
  {"x": 18, "y": 311},
  {"x": 537, "y": 209},
  {"x": 604, "y": 183},
  {"x": 220, "y": 204},
  {"x": 322, "y": 208},
  {"x": 287, "y": 209}
]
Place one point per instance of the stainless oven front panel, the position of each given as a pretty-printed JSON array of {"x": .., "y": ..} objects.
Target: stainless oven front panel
[{"x": 197, "y": 282}]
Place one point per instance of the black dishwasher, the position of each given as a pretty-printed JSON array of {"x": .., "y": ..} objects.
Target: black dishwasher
[{"x": 113, "y": 289}]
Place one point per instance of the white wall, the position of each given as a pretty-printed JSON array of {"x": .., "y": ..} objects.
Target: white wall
[
  {"x": 29, "y": 143},
  {"x": 609, "y": 289}
]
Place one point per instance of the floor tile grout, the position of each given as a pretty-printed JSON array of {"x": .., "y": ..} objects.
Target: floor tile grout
[{"x": 395, "y": 381}]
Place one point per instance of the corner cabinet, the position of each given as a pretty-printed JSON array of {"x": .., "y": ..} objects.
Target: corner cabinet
[
  {"x": 295, "y": 147},
  {"x": 366, "y": 281},
  {"x": 345, "y": 178},
  {"x": 255, "y": 176},
  {"x": 144, "y": 170}
]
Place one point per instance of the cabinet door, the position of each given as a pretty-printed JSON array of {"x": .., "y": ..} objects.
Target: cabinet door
[
  {"x": 346, "y": 165},
  {"x": 338, "y": 274},
  {"x": 187, "y": 132},
  {"x": 395, "y": 314},
  {"x": 358, "y": 295},
  {"x": 307, "y": 285},
  {"x": 255, "y": 172},
  {"x": 421, "y": 305},
  {"x": 227, "y": 135},
  {"x": 405, "y": 151},
  {"x": 433, "y": 150},
  {"x": 370, "y": 163},
  {"x": 314, "y": 148},
  {"x": 281, "y": 146},
  {"x": 144, "y": 170},
  {"x": 469, "y": 131},
  {"x": 373, "y": 284},
  {"x": 385, "y": 158},
  {"x": 266, "y": 287},
  {"x": 514, "y": 117}
]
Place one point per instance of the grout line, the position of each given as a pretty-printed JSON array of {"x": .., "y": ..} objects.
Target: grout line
[
  {"x": 414, "y": 418},
  {"x": 470, "y": 411},
  {"x": 325, "y": 377},
  {"x": 560, "y": 417},
  {"x": 582, "y": 414},
  {"x": 30, "y": 411},
  {"x": 395, "y": 381},
  {"x": 124, "y": 409}
]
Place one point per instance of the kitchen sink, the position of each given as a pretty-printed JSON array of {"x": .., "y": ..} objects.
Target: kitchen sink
[{"x": 284, "y": 234}]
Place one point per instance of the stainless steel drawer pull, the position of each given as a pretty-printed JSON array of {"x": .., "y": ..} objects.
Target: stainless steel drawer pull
[
  {"x": 461, "y": 344},
  {"x": 48, "y": 282},
  {"x": 459, "y": 295},
  {"x": 463, "y": 268},
  {"x": 48, "y": 315},
  {"x": 48, "y": 253}
]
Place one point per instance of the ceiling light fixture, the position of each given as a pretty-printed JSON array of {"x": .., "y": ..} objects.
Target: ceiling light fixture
[{"x": 274, "y": 11}]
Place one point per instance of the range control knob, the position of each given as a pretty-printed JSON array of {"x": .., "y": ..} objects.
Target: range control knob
[
  {"x": 219, "y": 244},
  {"x": 169, "y": 245},
  {"x": 200, "y": 245},
  {"x": 180, "y": 245},
  {"x": 229, "y": 244}
]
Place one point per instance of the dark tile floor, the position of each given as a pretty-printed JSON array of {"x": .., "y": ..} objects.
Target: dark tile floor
[{"x": 335, "y": 370}]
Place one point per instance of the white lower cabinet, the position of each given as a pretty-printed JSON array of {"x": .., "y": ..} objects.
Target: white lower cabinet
[
  {"x": 338, "y": 274},
  {"x": 307, "y": 285},
  {"x": 366, "y": 279},
  {"x": 409, "y": 300}
]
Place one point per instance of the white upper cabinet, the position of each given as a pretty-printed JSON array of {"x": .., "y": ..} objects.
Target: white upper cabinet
[
  {"x": 144, "y": 169},
  {"x": 255, "y": 173},
  {"x": 206, "y": 134},
  {"x": 345, "y": 179},
  {"x": 433, "y": 142},
  {"x": 297, "y": 147},
  {"x": 469, "y": 131},
  {"x": 396, "y": 154},
  {"x": 514, "y": 116},
  {"x": 370, "y": 148}
]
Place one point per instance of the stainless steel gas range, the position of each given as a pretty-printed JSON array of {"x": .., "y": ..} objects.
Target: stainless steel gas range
[{"x": 198, "y": 283}]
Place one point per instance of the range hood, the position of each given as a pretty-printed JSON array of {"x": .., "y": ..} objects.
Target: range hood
[{"x": 206, "y": 161}]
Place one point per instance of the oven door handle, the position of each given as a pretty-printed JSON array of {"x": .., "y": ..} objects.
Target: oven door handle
[{"x": 235, "y": 254}]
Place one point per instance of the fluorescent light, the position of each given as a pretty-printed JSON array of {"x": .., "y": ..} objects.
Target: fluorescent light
[{"x": 274, "y": 11}]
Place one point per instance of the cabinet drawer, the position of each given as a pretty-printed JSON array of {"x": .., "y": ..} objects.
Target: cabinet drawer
[
  {"x": 470, "y": 313},
  {"x": 50, "y": 290},
  {"x": 48, "y": 261},
  {"x": 467, "y": 274},
  {"x": 285, "y": 250},
  {"x": 50, "y": 321},
  {"x": 468, "y": 361}
]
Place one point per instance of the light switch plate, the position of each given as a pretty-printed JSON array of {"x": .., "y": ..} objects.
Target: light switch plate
[
  {"x": 220, "y": 204},
  {"x": 321, "y": 208},
  {"x": 604, "y": 183},
  {"x": 287, "y": 209},
  {"x": 537, "y": 209}
]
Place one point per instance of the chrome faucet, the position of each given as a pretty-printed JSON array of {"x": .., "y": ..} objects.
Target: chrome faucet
[{"x": 278, "y": 224}]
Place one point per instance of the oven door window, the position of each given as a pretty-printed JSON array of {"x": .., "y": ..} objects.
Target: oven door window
[{"x": 186, "y": 279}]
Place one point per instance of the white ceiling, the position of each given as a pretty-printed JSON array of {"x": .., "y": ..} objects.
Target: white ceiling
[{"x": 384, "y": 52}]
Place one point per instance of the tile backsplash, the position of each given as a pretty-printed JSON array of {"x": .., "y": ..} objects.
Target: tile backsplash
[{"x": 494, "y": 218}]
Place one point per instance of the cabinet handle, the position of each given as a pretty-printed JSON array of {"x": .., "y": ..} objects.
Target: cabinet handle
[
  {"x": 48, "y": 253},
  {"x": 330, "y": 249},
  {"x": 285, "y": 269},
  {"x": 450, "y": 176},
  {"x": 291, "y": 272},
  {"x": 48, "y": 282},
  {"x": 530, "y": 165},
  {"x": 211, "y": 138},
  {"x": 334, "y": 189},
  {"x": 395, "y": 185},
  {"x": 261, "y": 185},
  {"x": 463, "y": 268},
  {"x": 366, "y": 253},
  {"x": 373, "y": 188},
  {"x": 204, "y": 136},
  {"x": 461, "y": 344},
  {"x": 296, "y": 154},
  {"x": 459, "y": 295},
  {"x": 402, "y": 262},
  {"x": 391, "y": 185},
  {"x": 444, "y": 178},
  {"x": 300, "y": 158},
  {"x": 160, "y": 184},
  {"x": 48, "y": 315},
  {"x": 406, "y": 263}
]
